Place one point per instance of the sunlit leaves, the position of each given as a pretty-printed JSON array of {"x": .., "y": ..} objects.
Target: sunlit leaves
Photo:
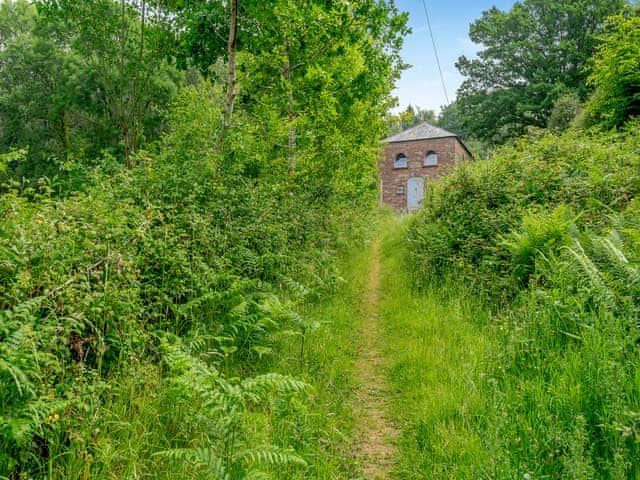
[{"x": 616, "y": 72}]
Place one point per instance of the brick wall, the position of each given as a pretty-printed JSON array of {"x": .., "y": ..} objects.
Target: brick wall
[{"x": 449, "y": 151}]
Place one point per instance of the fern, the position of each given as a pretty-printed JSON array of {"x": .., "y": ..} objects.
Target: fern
[
  {"x": 201, "y": 457},
  {"x": 223, "y": 408},
  {"x": 602, "y": 294},
  {"x": 247, "y": 461},
  {"x": 624, "y": 273},
  {"x": 621, "y": 275},
  {"x": 538, "y": 237},
  {"x": 272, "y": 383},
  {"x": 269, "y": 455},
  {"x": 20, "y": 378}
]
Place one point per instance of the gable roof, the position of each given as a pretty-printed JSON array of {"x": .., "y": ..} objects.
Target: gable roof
[{"x": 423, "y": 131}]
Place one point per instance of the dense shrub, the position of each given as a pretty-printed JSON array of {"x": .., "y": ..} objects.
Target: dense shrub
[
  {"x": 548, "y": 230},
  {"x": 168, "y": 283},
  {"x": 564, "y": 113},
  {"x": 563, "y": 388},
  {"x": 471, "y": 212}
]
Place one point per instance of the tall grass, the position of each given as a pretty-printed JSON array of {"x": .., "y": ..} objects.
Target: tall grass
[
  {"x": 557, "y": 264},
  {"x": 326, "y": 358},
  {"x": 436, "y": 343}
]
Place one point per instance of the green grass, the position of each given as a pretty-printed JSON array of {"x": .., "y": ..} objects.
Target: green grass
[
  {"x": 328, "y": 363},
  {"x": 148, "y": 411},
  {"x": 435, "y": 345},
  {"x": 546, "y": 235}
]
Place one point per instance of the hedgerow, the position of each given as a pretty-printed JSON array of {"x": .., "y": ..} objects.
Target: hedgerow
[
  {"x": 144, "y": 308},
  {"x": 547, "y": 233},
  {"x": 469, "y": 215}
]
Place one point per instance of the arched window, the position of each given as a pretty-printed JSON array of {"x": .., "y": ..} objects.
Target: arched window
[
  {"x": 431, "y": 159},
  {"x": 401, "y": 161}
]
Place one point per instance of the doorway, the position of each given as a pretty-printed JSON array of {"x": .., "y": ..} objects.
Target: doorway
[{"x": 415, "y": 193}]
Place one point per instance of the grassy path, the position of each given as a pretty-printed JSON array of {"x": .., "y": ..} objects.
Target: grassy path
[
  {"x": 395, "y": 372},
  {"x": 433, "y": 346},
  {"x": 377, "y": 434}
]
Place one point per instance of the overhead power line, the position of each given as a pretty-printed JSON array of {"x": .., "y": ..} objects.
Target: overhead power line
[{"x": 435, "y": 50}]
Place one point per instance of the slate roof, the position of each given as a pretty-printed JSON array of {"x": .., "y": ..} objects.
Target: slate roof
[{"x": 422, "y": 131}]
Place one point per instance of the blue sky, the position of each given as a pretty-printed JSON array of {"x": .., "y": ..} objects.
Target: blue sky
[{"x": 450, "y": 19}]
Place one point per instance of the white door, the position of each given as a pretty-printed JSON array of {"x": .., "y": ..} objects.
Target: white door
[{"x": 415, "y": 193}]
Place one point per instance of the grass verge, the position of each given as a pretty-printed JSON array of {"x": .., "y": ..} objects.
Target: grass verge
[
  {"x": 435, "y": 346},
  {"x": 328, "y": 363}
]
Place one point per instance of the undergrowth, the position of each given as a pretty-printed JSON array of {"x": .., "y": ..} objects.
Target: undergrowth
[
  {"x": 142, "y": 318},
  {"x": 545, "y": 235}
]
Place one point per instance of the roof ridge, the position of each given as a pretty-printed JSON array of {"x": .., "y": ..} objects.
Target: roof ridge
[{"x": 421, "y": 131}]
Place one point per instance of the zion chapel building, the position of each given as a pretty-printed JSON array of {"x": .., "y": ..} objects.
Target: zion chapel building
[{"x": 413, "y": 158}]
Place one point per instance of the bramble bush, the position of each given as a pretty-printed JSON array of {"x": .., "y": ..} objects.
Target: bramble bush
[
  {"x": 143, "y": 309},
  {"x": 470, "y": 213}
]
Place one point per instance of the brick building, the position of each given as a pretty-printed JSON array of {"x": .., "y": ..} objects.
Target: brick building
[{"x": 413, "y": 158}]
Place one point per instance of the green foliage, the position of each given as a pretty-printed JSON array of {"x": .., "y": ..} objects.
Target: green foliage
[
  {"x": 73, "y": 85},
  {"x": 539, "y": 236},
  {"x": 35, "y": 82},
  {"x": 616, "y": 72},
  {"x": 436, "y": 347},
  {"x": 564, "y": 381},
  {"x": 329, "y": 68},
  {"x": 90, "y": 282},
  {"x": 122, "y": 47},
  {"x": 224, "y": 410},
  {"x": 560, "y": 269},
  {"x": 470, "y": 212},
  {"x": 410, "y": 117},
  {"x": 566, "y": 110},
  {"x": 143, "y": 312},
  {"x": 68, "y": 303},
  {"x": 514, "y": 84}
]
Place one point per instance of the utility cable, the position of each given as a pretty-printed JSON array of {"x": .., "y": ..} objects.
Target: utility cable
[{"x": 435, "y": 50}]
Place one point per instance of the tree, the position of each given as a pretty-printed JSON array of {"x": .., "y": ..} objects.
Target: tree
[
  {"x": 16, "y": 18},
  {"x": 328, "y": 72},
  {"x": 80, "y": 78},
  {"x": 123, "y": 45},
  {"x": 449, "y": 119},
  {"x": 532, "y": 55},
  {"x": 410, "y": 117},
  {"x": 564, "y": 113},
  {"x": 316, "y": 75},
  {"x": 36, "y": 78},
  {"x": 232, "y": 46},
  {"x": 616, "y": 72}
]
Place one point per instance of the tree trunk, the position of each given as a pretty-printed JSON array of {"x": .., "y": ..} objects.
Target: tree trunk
[
  {"x": 126, "y": 140},
  {"x": 231, "y": 75},
  {"x": 293, "y": 134}
]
